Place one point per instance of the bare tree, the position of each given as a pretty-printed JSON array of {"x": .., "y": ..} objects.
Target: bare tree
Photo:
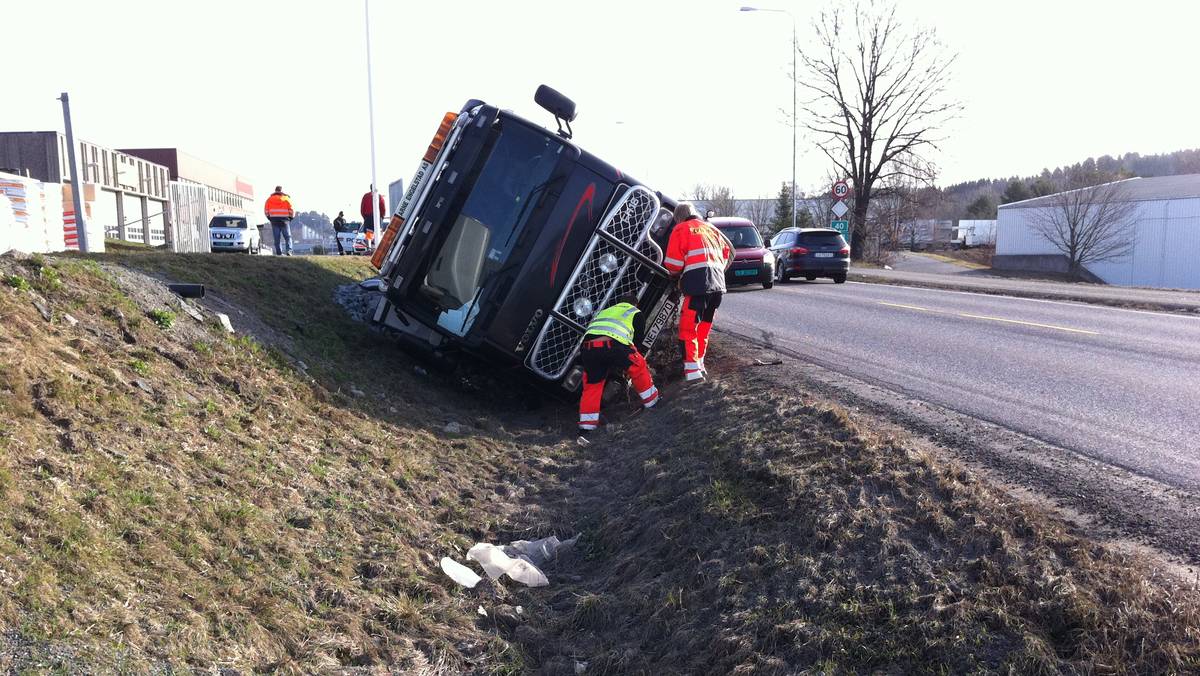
[
  {"x": 723, "y": 202},
  {"x": 716, "y": 198},
  {"x": 701, "y": 192},
  {"x": 1091, "y": 224},
  {"x": 878, "y": 98},
  {"x": 759, "y": 212}
]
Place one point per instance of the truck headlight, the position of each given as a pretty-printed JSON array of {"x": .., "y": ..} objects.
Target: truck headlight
[
  {"x": 582, "y": 308},
  {"x": 768, "y": 258},
  {"x": 608, "y": 263}
]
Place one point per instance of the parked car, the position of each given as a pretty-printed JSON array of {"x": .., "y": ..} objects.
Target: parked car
[
  {"x": 810, "y": 253},
  {"x": 752, "y": 262},
  {"x": 234, "y": 233},
  {"x": 354, "y": 240}
]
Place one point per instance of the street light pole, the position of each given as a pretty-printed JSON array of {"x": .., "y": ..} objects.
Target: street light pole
[
  {"x": 794, "y": 120},
  {"x": 371, "y": 118}
]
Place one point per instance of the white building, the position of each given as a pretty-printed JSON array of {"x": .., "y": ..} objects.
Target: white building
[{"x": 1166, "y": 244}]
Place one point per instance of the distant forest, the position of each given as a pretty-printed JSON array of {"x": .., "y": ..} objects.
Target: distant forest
[{"x": 979, "y": 199}]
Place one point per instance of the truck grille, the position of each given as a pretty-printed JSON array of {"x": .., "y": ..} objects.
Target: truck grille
[{"x": 628, "y": 221}]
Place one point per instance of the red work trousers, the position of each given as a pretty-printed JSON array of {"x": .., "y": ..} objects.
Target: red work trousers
[
  {"x": 599, "y": 357},
  {"x": 695, "y": 323}
]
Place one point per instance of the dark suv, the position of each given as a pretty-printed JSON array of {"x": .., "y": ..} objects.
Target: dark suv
[
  {"x": 810, "y": 253},
  {"x": 752, "y": 263}
]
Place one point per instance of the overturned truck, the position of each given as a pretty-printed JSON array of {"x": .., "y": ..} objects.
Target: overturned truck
[{"x": 511, "y": 238}]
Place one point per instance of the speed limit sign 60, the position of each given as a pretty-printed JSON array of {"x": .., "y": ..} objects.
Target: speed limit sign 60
[{"x": 841, "y": 189}]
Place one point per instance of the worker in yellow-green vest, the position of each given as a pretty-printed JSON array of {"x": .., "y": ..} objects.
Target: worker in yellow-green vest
[{"x": 610, "y": 345}]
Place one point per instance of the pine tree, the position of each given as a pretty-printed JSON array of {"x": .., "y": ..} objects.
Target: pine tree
[
  {"x": 981, "y": 209},
  {"x": 783, "y": 209},
  {"x": 1015, "y": 192}
]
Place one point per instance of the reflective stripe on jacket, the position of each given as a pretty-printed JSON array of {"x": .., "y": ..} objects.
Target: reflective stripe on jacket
[
  {"x": 279, "y": 205},
  {"x": 699, "y": 254},
  {"x": 615, "y": 322}
]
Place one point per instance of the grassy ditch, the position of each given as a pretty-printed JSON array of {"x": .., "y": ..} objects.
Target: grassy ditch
[
  {"x": 743, "y": 529},
  {"x": 174, "y": 496}
]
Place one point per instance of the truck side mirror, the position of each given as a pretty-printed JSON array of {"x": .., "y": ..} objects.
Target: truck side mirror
[{"x": 562, "y": 108}]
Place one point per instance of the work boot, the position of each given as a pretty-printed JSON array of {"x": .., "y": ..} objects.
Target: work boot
[{"x": 582, "y": 439}]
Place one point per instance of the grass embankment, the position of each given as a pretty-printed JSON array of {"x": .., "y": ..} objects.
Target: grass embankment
[
  {"x": 169, "y": 493},
  {"x": 173, "y": 495}
]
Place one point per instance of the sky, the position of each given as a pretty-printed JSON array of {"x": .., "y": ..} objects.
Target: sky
[{"x": 676, "y": 93}]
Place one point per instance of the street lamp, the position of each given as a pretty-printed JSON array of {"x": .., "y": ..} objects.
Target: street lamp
[{"x": 793, "y": 18}]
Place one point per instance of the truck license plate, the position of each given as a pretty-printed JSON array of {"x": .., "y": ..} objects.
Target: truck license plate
[
  {"x": 745, "y": 273},
  {"x": 823, "y": 255}
]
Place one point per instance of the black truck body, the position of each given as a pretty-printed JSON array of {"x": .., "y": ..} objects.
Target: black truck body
[{"x": 511, "y": 238}]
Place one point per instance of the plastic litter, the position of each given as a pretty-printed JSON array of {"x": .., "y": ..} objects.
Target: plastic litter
[
  {"x": 520, "y": 560},
  {"x": 538, "y": 552},
  {"x": 460, "y": 573},
  {"x": 496, "y": 563}
]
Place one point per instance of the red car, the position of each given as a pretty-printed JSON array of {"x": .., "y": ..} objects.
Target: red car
[{"x": 753, "y": 263}]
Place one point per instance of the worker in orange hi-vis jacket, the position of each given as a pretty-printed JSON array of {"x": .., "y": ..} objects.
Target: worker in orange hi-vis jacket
[
  {"x": 280, "y": 211},
  {"x": 698, "y": 255}
]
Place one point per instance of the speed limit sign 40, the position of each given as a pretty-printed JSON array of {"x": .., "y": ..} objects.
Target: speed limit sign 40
[{"x": 841, "y": 190}]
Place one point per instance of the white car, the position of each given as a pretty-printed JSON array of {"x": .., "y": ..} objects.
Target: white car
[
  {"x": 234, "y": 233},
  {"x": 354, "y": 241}
]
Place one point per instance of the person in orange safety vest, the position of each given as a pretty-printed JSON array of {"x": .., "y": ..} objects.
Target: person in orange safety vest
[
  {"x": 698, "y": 255},
  {"x": 610, "y": 345},
  {"x": 280, "y": 212}
]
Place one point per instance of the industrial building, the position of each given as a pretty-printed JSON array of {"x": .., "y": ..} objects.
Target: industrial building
[
  {"x": 1164, "y": 221},
  {"x": 128, "y": 196},
  {"x": 226, "y": 192}
]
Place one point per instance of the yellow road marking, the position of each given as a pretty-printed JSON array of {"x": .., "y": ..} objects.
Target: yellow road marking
[{"x": 993, "y": 319}]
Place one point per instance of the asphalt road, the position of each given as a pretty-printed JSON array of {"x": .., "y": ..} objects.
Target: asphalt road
[{"x": 1120, "y": 386}]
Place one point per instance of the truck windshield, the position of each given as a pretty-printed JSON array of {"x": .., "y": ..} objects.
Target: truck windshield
[{"x": 485, "y": 229}]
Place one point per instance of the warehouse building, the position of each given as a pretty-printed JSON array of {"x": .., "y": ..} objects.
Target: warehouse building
[
  {"x": 227, "y": 192},
  {"x": 1163, "y": 218},
  {"x": 128, "y": 196}
]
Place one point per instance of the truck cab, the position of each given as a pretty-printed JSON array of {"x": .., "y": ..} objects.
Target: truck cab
[{"x": 511, "y": 237}]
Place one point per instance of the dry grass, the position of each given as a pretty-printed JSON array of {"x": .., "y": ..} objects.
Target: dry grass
[
  {"x": 174, "y": 497},
  {"x": 188, "y": 498},
  {"x": 728, "y": 542}
]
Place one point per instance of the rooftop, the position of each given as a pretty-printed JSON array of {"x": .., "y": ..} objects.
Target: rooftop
[{"x": 1180, "y": 187}]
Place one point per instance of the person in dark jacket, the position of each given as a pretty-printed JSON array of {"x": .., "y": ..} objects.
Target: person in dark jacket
[
  {"x": 697, "y": 254},
  {"x": 339, "y": 226}
]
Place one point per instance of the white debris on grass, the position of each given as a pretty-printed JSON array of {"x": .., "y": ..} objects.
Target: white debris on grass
[
  {"x": 460, "y": 573},
  {"x": 521, "y": 561},
  {"x": 225, "y": 323},
  {"x": 496, "y": 563}
]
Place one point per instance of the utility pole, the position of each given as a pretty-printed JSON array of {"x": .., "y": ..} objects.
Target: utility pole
[
  {"x": 371, "y": 117},
  {"x": 795, "y": 122},
  {"x": 76, "y": 184}
]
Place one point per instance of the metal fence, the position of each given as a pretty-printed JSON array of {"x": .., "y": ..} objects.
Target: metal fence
[{"x": 187, "y": 229}]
